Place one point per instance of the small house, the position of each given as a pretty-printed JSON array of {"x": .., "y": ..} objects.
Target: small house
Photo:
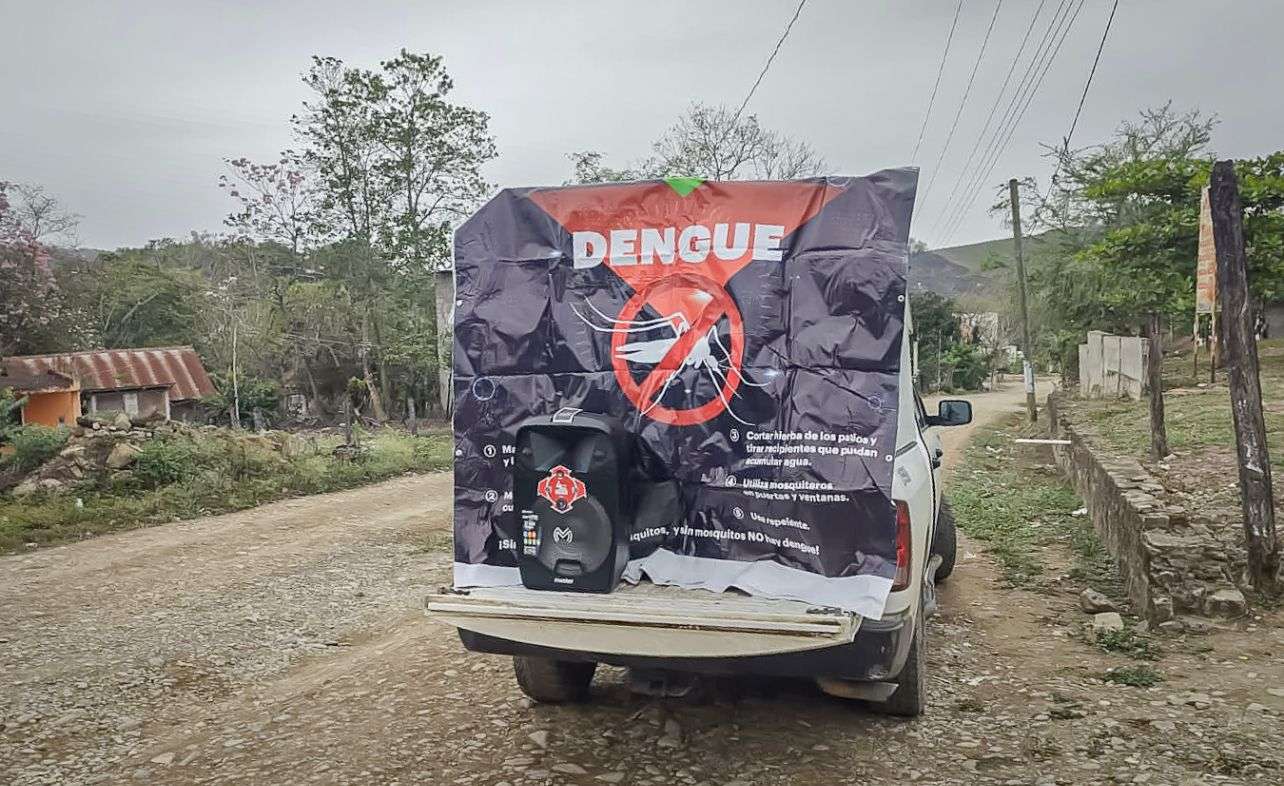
[
  {"x": 168, "y": 382},
  {"x": 52, "y": 398}
]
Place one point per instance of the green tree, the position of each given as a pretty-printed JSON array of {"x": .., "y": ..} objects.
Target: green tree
[
  {"x": 399, "y": 165},
  {"x": 1124, "y": 221},
  {"x": 935, "y": 331},
  {"x": 131, "y": 301}
]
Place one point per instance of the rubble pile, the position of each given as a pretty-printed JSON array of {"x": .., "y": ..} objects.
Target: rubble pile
[{"x": 107, "y": 449}]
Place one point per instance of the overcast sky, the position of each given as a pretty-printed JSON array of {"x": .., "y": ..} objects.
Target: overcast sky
[{"x": 125, "y": 110}]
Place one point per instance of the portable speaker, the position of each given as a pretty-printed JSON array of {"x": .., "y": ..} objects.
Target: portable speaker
[{"x": 571, "y": 496}]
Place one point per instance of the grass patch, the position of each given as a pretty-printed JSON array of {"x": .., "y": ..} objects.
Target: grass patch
[
  {"x": 1002, "y": 497},
  {"x": 1127, "y": 641},
  {"x": 1093, "y": 564},
  {"x": 1195, "y": 418},
  {"x": 1138, "y": 676},
  {"x": 200, "y": 473}
]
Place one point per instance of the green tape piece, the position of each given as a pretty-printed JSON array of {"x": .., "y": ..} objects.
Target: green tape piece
[{"x": 684, "y": 185}]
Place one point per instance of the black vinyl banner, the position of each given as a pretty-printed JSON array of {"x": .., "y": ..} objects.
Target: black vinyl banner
[{"x": 747, "y": 334}]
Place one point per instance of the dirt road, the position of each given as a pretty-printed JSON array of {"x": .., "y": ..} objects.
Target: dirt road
[{"x": 286, "y": 645}]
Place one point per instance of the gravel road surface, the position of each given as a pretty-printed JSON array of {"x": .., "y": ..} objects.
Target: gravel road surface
[{"x": 286, "y": 645}]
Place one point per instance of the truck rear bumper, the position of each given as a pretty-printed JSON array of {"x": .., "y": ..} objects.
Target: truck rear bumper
[
  {"x": 877, "y": 653},
  {"x": 683, "y": 630}
]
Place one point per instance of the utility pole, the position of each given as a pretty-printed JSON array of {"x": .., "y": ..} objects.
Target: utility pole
[
  {"x": 1027, "y": 368},
  {"x": 938, "y": 361},
  {"x": 1239, "y": 353}
]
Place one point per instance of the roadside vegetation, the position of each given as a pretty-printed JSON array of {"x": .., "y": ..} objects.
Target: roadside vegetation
[
  {"x": 200, "y": 472},
  {"x": 1004, "y": 495},
  {"x": 1014, "y": 499}
]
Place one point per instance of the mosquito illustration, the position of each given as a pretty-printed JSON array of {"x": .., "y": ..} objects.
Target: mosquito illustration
[{"x": 651, "y": 351}]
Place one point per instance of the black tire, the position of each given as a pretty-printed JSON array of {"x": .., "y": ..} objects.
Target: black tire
[
  {"x": 910, "y": 698},
  {"x": 945, "y": 541},
  {"x": 553, "y": 681}
]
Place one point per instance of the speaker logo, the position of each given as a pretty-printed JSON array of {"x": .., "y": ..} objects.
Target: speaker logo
[
  {"x": 563, "y": 535},
  {"x": 562, "y": 491}
]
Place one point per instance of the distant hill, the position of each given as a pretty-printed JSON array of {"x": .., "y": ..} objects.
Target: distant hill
[
  {"x": 963, "y": 270},
  {"x": 957, "y": 270},
  {"x": 973, "y": 255}
]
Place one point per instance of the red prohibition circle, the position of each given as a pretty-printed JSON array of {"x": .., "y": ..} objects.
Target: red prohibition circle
[{"x": 643, "y": 394}]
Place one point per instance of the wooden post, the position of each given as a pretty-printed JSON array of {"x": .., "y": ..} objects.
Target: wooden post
[
  {"x": 1214, "y": 348},
  {"x": 1028, "y": 366},
  {"x": 1155, "y": 374},
  {"x": 1238, "y": 351},
  {"x": 347, "y": 418},
  {"x": 1194, "y": 350}
]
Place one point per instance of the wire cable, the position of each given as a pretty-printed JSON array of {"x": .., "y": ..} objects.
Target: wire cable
[
  {"x": 936, "y": 86},
  {"x": 936, "y": 170},
  {"x": 1074, "y": 123},
  {"x": 1007, "y": 139},
  {"x": 1020, "y": 115},
  {"x": 766, "y": 66},
  {"x": 1037, "y": 59},
  {"x": 998, "y": 99}
]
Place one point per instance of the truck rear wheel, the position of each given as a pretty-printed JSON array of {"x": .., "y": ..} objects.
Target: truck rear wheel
[
  {"x": 553, "y": 681},
  {"x": 910, "y": 698},
  {"x": 946, "y": 541}
]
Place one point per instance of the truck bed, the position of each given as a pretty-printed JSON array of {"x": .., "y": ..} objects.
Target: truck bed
[{"x": 646, "y": 620}]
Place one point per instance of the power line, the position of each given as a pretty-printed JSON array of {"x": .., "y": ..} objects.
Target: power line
[
  {"x": 936, "y": 170},
  {"x": 998, "y": 99},
  {"x": 1020, "y": 115},
  {"x": 1016, "y": 121},
  {"x": 1074, "y": 123},
  {"x": 765, "y": 68},
  {"x": 1027, "y": 79},
  {"x": 940, "y": 70}
]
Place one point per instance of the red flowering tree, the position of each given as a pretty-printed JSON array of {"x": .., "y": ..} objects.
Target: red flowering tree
[{"x": 31, "y": 308}]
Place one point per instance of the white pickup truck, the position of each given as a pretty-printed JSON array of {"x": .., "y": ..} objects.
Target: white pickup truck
[{"x": 558, "y": 638}]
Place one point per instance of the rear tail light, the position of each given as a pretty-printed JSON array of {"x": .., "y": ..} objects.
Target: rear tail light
[{"x": 904, "y": 549}]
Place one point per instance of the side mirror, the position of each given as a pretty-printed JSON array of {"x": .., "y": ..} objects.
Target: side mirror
[{"x": 951, "y": 412}]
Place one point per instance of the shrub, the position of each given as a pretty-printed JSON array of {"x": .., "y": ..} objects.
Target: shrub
[
  {"x": 164, "y": 461},
  {"x": 1139, "y": 676},
  {"x": 1127, "y": 641},
  {"x": 263, "y": 395},
  {"x": 969, "y": 364},
  {"x": 34, "y": 445}
]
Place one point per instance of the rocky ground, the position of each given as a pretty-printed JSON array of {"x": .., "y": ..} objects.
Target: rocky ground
[{"x": 285, "y": 645}]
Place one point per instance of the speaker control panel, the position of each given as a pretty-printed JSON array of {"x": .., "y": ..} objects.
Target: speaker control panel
[{"x": 530, "y": 533}]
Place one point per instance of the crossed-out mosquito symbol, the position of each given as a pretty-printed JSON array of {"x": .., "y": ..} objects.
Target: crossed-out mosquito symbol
[{"x": 688, "y": 341}]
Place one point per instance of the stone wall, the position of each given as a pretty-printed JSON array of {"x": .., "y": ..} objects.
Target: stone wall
[{"x": 1170, "y": 566}]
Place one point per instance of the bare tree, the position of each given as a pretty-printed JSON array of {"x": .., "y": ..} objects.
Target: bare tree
[
  {"x": 278, "y": 201},
  {"x": 713, "y": 143},
  {"x": 41, "y": 215}
]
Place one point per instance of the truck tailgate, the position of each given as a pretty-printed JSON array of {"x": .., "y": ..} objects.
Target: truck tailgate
[{"x": 645, "y": 620}]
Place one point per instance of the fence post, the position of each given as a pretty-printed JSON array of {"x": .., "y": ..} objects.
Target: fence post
[
  {"x": 1238, "y": 352},
  {"x": 1155, "y": 377}
]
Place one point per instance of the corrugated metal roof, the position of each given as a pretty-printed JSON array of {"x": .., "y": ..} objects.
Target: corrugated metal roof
[
  {"x": 46, "y": 381},
  {"x": 177, "y": 368}
]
